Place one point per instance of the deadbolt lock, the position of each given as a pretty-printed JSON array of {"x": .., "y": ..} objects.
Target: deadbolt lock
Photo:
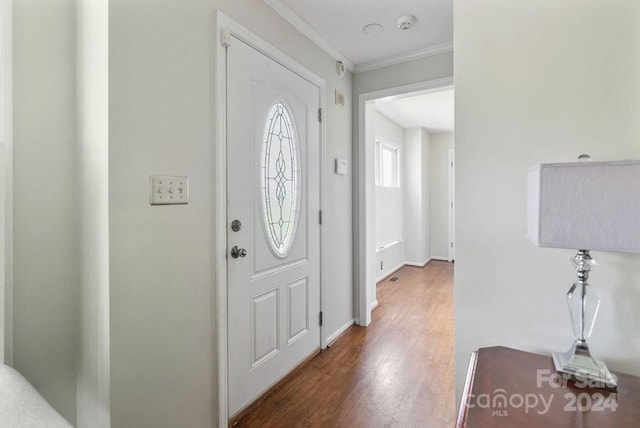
[{"x": 236, "y": 225}]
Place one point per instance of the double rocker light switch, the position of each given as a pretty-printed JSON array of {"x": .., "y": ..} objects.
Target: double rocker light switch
[{"x": 169, "y": 190}]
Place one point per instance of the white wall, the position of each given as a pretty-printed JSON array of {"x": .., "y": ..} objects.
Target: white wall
[
  {"x": 426, "y": 198},
  {"x": 159, "y": 353},
  {"x": 420, "y": 70},
  {"x": 92, "y": 156},
  {"x": 412, "y": 215},
  {"x": 388, "y": 260},
  {"x": 416, "y": 197},
  {"x": 45, "y": 214},
  {"x": 388, "y": 202},
  {"x": 539, "y": 82},
  {"x": 160, "y": 114},
  {"x": 388, "y": 217},
  {"x": 409, "y": 73},
  {"x": 441, "y": 143},
  {"x": 160, "y": 89}
]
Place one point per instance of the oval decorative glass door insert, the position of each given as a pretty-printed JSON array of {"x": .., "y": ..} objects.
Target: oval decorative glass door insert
[{"x": 280, "y": 190}]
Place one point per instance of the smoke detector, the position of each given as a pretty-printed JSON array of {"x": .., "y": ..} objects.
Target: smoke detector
[{"x": 405, "y": 22}]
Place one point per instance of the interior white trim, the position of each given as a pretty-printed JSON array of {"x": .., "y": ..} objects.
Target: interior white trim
[
  {"x": 219, "y": 186},
  {"x": 405, "y": 57},
  {"x": 365, "y": 260},
  {"x": 339, "y": 332},
  {"x": 6, "y": 181},
  {"x": 452, "y": 206},
  {"x": 300, "y": 24},
  {"x": 324, "y": 342},
  {"x": 434, "y": 85},
  {"x": 441, "y": 259},
  {"x": 305, "y": 28},
  {"x": 374, "y": 305},
  {"x": 226, "y": 28}
]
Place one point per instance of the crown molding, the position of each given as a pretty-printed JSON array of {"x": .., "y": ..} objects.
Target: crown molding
[
  {"x": 305, "y": 28},
  {"x": 406, "y": 57}
]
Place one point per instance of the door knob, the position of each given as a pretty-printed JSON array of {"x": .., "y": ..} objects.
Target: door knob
[{"x": 238, "y": 252}]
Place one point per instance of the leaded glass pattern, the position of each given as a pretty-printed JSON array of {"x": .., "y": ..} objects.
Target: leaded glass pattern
[{"x": 280, "y": 185}]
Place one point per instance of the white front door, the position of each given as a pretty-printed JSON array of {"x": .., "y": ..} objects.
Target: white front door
[{"x": 273, "y": 257}]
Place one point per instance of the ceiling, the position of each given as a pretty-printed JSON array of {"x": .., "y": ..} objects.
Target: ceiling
[
  {"x": 336, "y": 26},
  {"x": 430, "y": 110}
]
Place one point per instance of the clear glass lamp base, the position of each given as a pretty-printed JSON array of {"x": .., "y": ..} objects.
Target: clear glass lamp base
[{"x": 579, "y": 365}]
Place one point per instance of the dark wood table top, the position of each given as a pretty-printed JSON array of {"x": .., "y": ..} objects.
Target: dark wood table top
[{"x": 510, "y": 388}]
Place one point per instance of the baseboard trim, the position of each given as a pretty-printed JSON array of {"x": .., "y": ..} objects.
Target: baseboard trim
[
  {"x": 401, "y": 265},
  {"x": 335, "y": 336},
  {"x": 374, "y": 305},
  {"x": 391, "y": 272}
]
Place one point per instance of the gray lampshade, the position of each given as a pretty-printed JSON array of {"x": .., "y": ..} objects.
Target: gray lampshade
[{"x": 585, "y": 205}]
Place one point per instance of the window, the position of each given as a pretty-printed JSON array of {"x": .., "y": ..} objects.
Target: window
[
  {"x": 388, "y": 194},
  {"x": 387, "y": 168},
  {"x": 280, "y": 195}
]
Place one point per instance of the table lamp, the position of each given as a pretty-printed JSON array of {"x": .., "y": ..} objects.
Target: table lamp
[{"x": 584, "y": 206}]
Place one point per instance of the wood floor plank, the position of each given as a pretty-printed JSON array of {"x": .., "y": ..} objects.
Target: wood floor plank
[{"x": 399, "y": 371}]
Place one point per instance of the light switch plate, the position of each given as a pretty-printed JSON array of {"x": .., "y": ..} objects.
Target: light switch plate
[
  {"x": 169, "y": 190},
  {"x": 341, "y": 166}
]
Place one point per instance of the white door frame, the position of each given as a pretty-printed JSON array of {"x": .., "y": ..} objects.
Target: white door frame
[
  {"x": 6, "y": 183},
  {"x": 364, "y": 224},
  {"x": 452, "y": 206},
  {"x": 225, "y": 31}
]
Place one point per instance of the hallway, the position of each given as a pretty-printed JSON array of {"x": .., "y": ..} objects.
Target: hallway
[{"x": 397, "y": 372}]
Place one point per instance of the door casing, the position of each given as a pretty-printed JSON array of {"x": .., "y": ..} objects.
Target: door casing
[
  {"x": 225, "y": 30},
  {"x": 452, "y": 207},
  {"x": 6, "y": 182},
  {"x": 364, "y": 213}
]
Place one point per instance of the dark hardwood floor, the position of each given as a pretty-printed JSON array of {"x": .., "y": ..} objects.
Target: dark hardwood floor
[{"x": 398, "y": 372}]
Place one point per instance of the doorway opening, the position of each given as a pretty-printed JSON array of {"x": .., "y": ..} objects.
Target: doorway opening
[{"x": 405, "y": 182}]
